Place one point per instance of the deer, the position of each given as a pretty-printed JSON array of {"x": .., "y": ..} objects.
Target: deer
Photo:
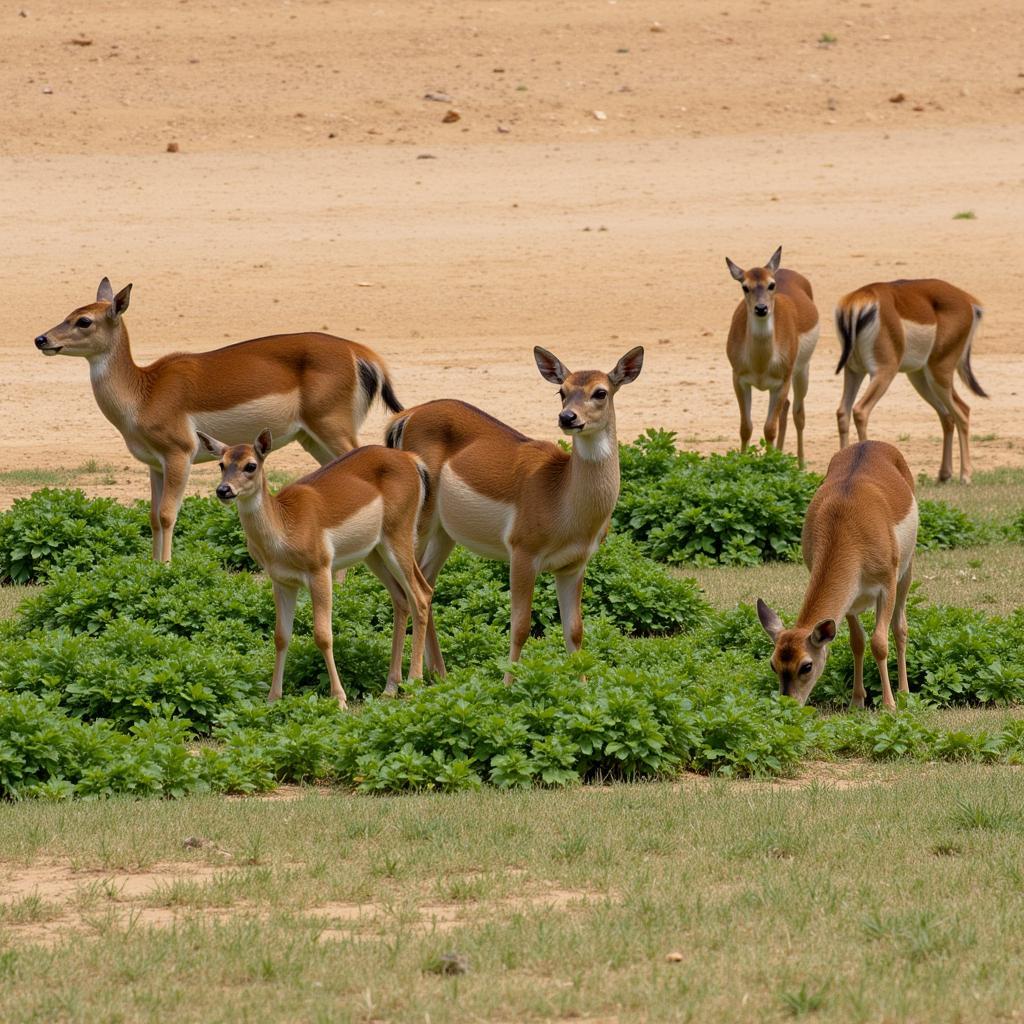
[
  {"x": 923, "y": 328},
  {"x": 364, "y": 506},
  {"x": 858, "y": 543},
  {"x": 772, "y": 337},
  {"x": 526, "y": 502},
  {"x": 312, "y": 387}
]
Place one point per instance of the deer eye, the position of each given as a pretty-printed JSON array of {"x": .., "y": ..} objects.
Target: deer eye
[
  {"x": 746, "y": 290},
  {"x": 221, "y": 466},
  {"x": 771, "y": 286},
  {"x": 84, "y": 321},
  {"x": 561, "y": 394},
  {"x": 599, "y": 394},
  {"x": 250, "y": 467},
  {"x": 805, "y": 668}
]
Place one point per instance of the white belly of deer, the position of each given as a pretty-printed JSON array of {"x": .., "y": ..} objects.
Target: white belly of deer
[
  {"x": 807, "y": 342},
  {"x": 472, "y": 519},
  {"x": 768, "y": 380},
  {"x": 352, "y": 540},
  {"x": 906, "y": 538},
  {"x": 242, "y": 423},
  {"x": 919, "y": 340}
]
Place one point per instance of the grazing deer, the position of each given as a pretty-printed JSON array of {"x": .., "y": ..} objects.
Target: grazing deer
[
  {"x": 923, "y": 329},
  {"x": 526, "y": 502},
  {"x": 362, "y": 507},
  {"x": 858, "y": 543},
  {"x": 313, "y": 388},
  {"x": 771, "y": 341}
]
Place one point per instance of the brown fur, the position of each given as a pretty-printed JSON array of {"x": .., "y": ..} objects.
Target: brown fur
[
  {"x": 364, "y": 506},
  {"x": 524, "y": 501},
  {"x": 777, "y": 361},
  {"x": 158, "y": 408},
  {"x": 859, "y": 529},
  {"x": 872, "y": 323}
]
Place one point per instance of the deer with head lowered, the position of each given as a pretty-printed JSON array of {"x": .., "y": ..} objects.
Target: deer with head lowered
[
  {"x": 526, "y": 502},
  {"x": 771, "y": 340},
  {"x": 858, "y": 543},
  {"x": 313, "y": 388},
  {"x": 924, "y": 329},
  {"x": 364, "y": 506}
]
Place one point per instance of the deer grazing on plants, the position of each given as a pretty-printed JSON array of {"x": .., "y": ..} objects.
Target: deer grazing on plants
[
  {"x": 364, "y": 506},
  {"x": 858, "y": 543},
  {"x": 923, "y": 329},
  {"x": 771, "y": 341},
  {"x": 526, "y": 502},
  {"x": 313, "y": 388}
]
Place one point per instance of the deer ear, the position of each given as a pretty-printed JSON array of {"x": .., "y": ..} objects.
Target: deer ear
[
  {"x": 264, "y": 443},
  {"x": 119, "y": 303},
  {"x": 769, "y": 620},
  {"x": 104, "y": 293},
  {"x": 628, "y": 368},
  {"x": 211, "y": 444},
  {"x": 550, "y": 366},
  {"x": 773, "y": 263},
  {"x": 823, "y": 633},
  {"x": 737, "y": 272}
]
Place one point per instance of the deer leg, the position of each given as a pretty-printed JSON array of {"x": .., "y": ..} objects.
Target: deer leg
[
  {"x": 800, "y": 382},
  {"x": 851, "y": 385},
  {"x": 962, "y": 416},
  {"x": 522, "y": 579},
  {"x": 438, "y": 548},
  {"x": 877, "y": 387},
  {"x": 176, "y": 470},
  {"x": 156, "y": 488},
  {"x": 899, "y": 628},
  {"x": 777, "y": 400},
  {"x": 378, "y": 566},
  {"x": 743, "y": 396},
  {"x": 857, "y": 646},
  {"x": 322, "y": 595},
  {"x": 921, "y": 381},
  {"x": 880, "y": 638},
  {"x": 783, "y": 421},
  {"x": 569, "y": 587},
  {"x": 284, "y": 604}
]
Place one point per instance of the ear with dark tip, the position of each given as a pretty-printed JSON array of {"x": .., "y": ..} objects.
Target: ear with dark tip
[
  {"x": 773, "y": 263},
  {"x": 823, "y": 633},
  {"x": 628, "y": 368},
  {"x": 119, "y": 303},
  {"x": 211, "y": 444},
  {"x": 104, "y": 293},
  {"x": 769, "y": 620},
  {"x": 550, "y": 366},
  {"x": 737, "y": 272},
  {"x": 263, "y": 443}
]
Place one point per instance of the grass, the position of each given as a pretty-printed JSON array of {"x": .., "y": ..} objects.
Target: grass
[
  {"x": 11, "y": 597},
  {"x": 965, "y": 215},
  {"x": 994, "y": 497},
  {"x": 36, "y": 477},
  {"x": 816, "y": 898},
  {"x": 989, "y": 578}
]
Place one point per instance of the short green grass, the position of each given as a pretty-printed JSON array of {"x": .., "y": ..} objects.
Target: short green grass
[
  {"x": 995, "y": 496},
  {"x": 38, "y": 477},
  {"x": 879, "y": 893}
]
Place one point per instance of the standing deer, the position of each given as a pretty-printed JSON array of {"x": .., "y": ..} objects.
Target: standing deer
[
  {"x": 526, "y": 502},
  {"x": 313, "y": 388},
  {"x": 771, "y": 341},
  {"x": 923, "y": 329},
  {"x": 858, "y": 543},
  {"x": 362, "y": 507}
]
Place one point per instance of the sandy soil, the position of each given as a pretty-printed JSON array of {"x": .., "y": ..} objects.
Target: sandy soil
[{"x": 303, "y": 196}]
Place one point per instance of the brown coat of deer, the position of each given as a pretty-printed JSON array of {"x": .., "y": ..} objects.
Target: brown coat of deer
[
  {"x": 363, "y": 507},
  {"x": 771, "y": 340},
  {"x": 923, "y": 329},
  {"x": 313, "y": 388},
  {"x": 858, "y": 543},
  {"x": 526, "y": 502}
]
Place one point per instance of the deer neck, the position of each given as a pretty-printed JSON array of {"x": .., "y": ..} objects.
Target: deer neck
[
  {"x": 594, "y": 474},
  {"x": 117, "y": 382},
  {"x": 832, "y": 590},
  {"x": 262, "y": 522}
]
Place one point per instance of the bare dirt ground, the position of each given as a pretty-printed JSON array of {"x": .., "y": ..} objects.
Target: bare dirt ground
[{"x": 315, "y": 187}]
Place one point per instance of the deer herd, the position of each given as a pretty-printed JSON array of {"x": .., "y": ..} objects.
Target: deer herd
[{"x": 450, "y": 474}]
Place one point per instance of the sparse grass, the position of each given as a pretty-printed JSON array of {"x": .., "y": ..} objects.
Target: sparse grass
[
  {"x": 11, "y": 597},
  {"x": 994, "y": 497},
  {"x": 792, "y": 900},
  {"x": 989, "y": 578},
  {"x": 63, "y": 477},
  {"x": 965, "y": 215},
  {"x": 826, "y": 39}
]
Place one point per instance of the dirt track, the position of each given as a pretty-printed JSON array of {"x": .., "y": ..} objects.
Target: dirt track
[{"x": 454, "y": 266}]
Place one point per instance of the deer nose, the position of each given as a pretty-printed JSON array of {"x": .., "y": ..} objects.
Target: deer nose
[
  {"x": 566, "y": 418},
  {"x": 761, "y": 309},
  {"x": 42, "y": 341},
  {"x": 224, "y": 492}
]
